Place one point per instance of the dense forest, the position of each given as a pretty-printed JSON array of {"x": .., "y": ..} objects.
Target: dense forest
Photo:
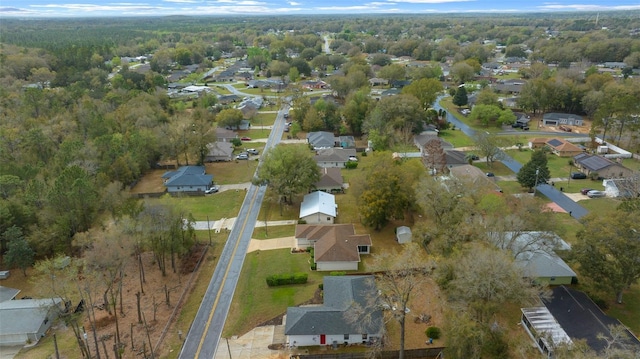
[{"x": 77, "y": 126}]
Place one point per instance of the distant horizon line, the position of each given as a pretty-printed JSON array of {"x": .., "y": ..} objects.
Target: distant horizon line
[{"x": 341, "y": 14}]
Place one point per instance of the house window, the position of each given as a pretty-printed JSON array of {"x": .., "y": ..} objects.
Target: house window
[
  {"x": 553, "y": 279},
  {"x": 328, "y": 218},
  {"x": 346, "y": 337},
  {"x": 363, "y": 249},
  {"x": 364, "y": 336}
]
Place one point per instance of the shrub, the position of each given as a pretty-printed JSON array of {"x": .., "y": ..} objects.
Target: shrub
[
  {"x": 337, "y": 274},
  {"x": 302, "y": 221},
  {"x": 351, "y": 165},
  {"x": 321, "y": 286},
  {"x": 285, "y": 279},
  {"x": 433, "y": 332},
  {"x": 313, "y": 266}
]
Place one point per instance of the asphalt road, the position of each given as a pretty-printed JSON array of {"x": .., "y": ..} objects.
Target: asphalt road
[
  {"x": 566, "y": 203},
  {"x": 206, "y": 330}
]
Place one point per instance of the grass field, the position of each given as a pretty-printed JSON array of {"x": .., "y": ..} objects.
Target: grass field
[
  {"x": 270, "y": 232},
  {"x": 629, "y": 311},
  {"x": 254, "y": 302},
  {"x": 457, "y": 138},
  {"x": 263, "y": 119},
  {"x": 233, "y": 171},
  {"x": 218, "y": 205}
]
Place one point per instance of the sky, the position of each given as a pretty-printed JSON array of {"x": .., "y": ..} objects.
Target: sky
[{"x": 110, "y": 8}]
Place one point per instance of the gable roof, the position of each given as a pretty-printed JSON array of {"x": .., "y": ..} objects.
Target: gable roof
[
  {"x": 318, "y": 202},
  {"x": 334, "y": 154},
  {"x": 334, "y": 242},
  {"x": 534, "y": 252},
  {"x": 455, "y": 158},
  {"x": 321, "y": 139},
  {"x": 24, "y": 315},
  {"x": 220, "y": 149},
  {"x": 594, "y": 162},
  {"x": 341, "y": 294},
  {"x": 555, "y": 116},
  {"x": 422, "y": 139},
  {"x": 581, "y": 318},
  {"x": 187, "y": 176},
  {"x": 561, "y": 145},
  {"x": 330, "y": 177}
]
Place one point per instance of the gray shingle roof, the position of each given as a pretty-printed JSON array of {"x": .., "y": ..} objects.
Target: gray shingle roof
[
  {"x": 188, "y": 176},
  {"x": 24, "y": 315},
  {"x": 341, "y": 293},
  {"x": 321, "y": 139}
]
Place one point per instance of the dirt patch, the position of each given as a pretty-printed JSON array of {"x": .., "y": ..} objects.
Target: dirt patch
[{"x": 151, "y": 182}]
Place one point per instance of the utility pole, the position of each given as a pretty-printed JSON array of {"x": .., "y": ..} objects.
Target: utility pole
[{"x": 536, "y": 185}]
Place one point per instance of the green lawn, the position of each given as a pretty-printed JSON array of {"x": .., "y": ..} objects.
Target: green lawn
[
  {"x": 219, "y": 205},
  {"x": 221, "y": 89},
  {"x": 631, "y": 163},
  {"x": 263, "y": 119},
  {"x": 273, "y": 232},
  {"x": 558, "y": 166},
  {"x": 256, "y": 131},
  {"x": 254, "y": 302},
  {"x": 498, "y": 168},
  {"x": 628, "y": 312},
  {"x": 457, "y": 138},
  {"x": 234, "y": 171}
]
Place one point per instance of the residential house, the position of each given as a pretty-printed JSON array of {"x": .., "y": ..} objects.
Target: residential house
[
  {"x": 219, "y": 152},
  {"x": 400, "y": 83},
  {"x": 403, "y": 234},
  {"x": 557, "y": 119},
  {"x": 337, "y": 247},
  {"x": 421, "y": 140},
  {"x": 622, "y": 187},
  {"x": 455, "y": 158},
  {"x": 321, "y": 139},
  {"x": 378, "y": 82},
  {"x": 512, "y": 86},
  {"x": 187, "y": 179},
  {"x": 224, "y": 135},
  {"x": 25, "y": 321},
  {"x": 603, "y": 167},
  {"x": 227, "y": 99},
  {"x": 329, "y": 324},
  {"x": 318, "y": 208},
  {"x": 330, "y": 180},
  {"x": 474, "y": 176},
  {"x": 334, "y": 157},
  {"x": 534, "y": 253},
  {"x": 390, "y": 92},
  {"x": 314, "y": 85},
  {"x": 557, "y": 146},
  {"x": 569, "y": 315}
]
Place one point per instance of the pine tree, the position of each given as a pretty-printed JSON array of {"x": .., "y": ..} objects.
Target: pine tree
[
  {"x": 527, "y": 176},
  {"x": 460, "y": 98}
]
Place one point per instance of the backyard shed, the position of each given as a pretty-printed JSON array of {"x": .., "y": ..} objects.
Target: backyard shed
[{"x": 403, "y": 234}]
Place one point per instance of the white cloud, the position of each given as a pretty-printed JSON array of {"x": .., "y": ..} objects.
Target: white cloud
[
  {"x": 585, "y": 7},
  {"x": 293, "y": 3},
  {"x": 433, "y": 2}
]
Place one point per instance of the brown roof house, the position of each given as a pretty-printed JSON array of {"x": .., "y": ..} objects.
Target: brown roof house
[
  {"x": 330, "y": 180},
  {"x": 603, "y": 167},
  {"x": 558, "y": 146},
  {"x": 219, "y": 152},
  {"x": 337, "y": 247}
]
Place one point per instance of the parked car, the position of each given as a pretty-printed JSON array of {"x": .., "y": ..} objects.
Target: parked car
[
  {"x": 474, "y": 157},
  {"x": 253, "y": 151},
  {"x": 242, "y": 156},
  {"x": 516, "y": 125},
  {"x": 595, "y": 194},
  {"x": 353, "y": 158},
  {"x": 525, "y": 128},
  {"x": 490, "y": 174},
  {"x": 584, "y": 191},
  {"x": 245, "y": 138},
  {"x": 578, "y": 175},
  {"x": 212, "y": 189}
]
